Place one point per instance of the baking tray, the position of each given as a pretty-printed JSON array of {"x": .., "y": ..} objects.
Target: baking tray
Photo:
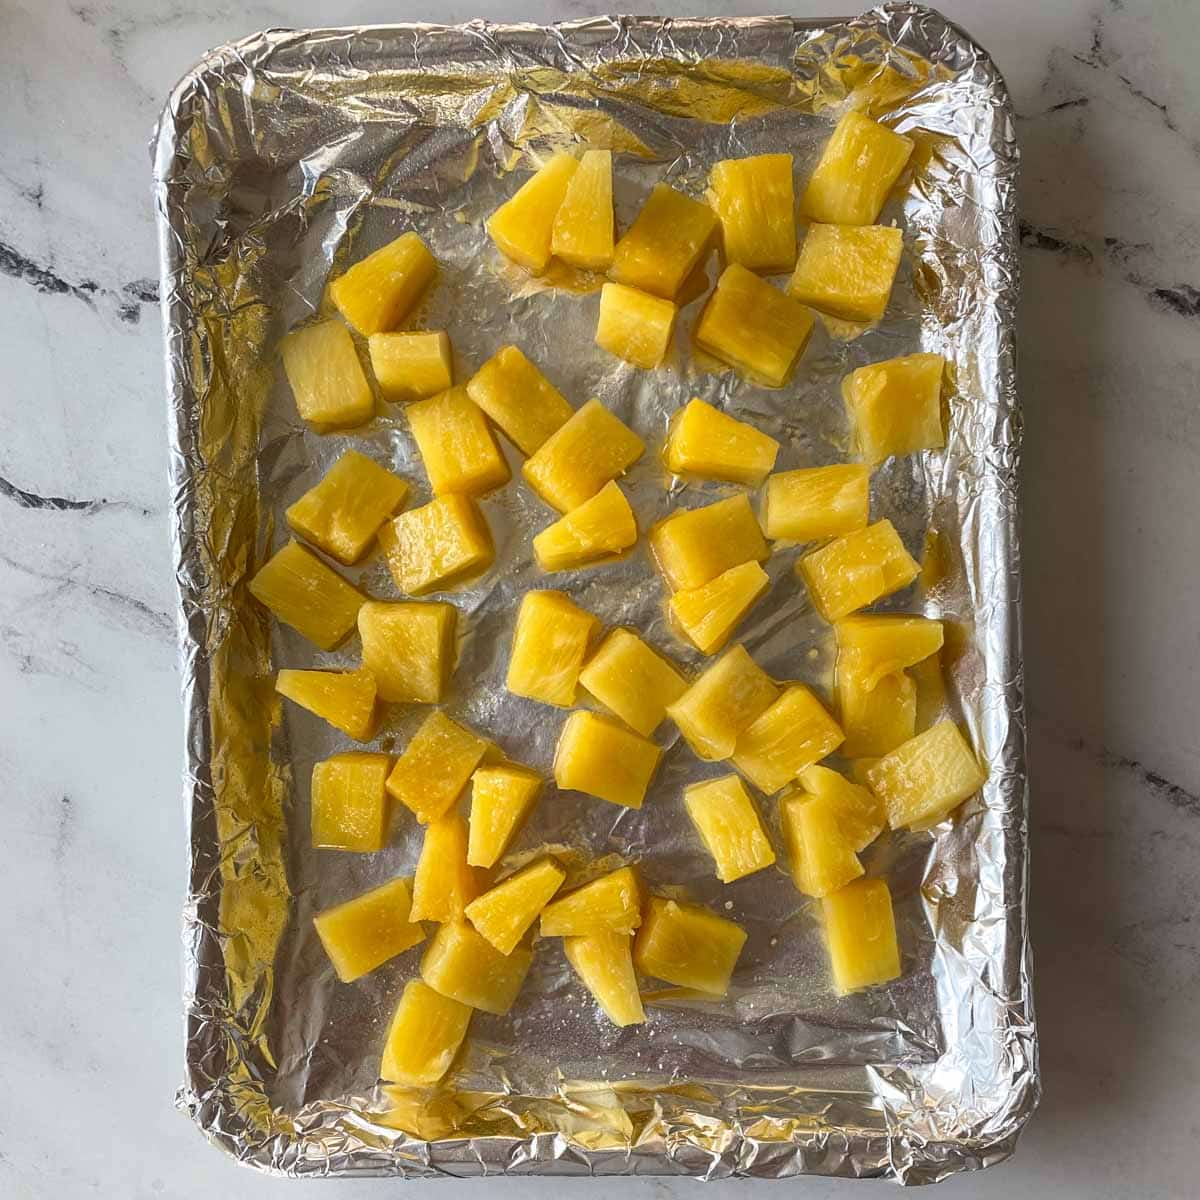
[{"x": 284, "y": 157}]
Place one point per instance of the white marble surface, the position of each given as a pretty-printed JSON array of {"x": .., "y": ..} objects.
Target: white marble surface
[{"x": 93, "y": 853}]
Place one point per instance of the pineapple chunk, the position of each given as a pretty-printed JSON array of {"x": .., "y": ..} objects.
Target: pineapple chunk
[
  {"x": 706, "y": 442},
  {"x": 820, "y": 853},
  {"x": 597, "y": 530},
  {"x": 343, "y": 513},
  {"x": 465, "y": 966},
  {"x": 861, "y": 933},
  {"x": 326, "y": 377},
  {"x": 604, "y": 964},
  {"x": 610, "y": 904},
  {"x": 729, "y": 826},
  {"x": 522, "y": 227},
  {"x": 756, "y": 203},
  {"x": 708, "y": 615},
  {"x": 666, "y": 240},
  {"x": 847, "y": 271},
  {"x": 424, "y": 1036},
  {"x": 727, "y": 698},
  {"x": 524, "y": 404},
  {"x": 457, "y": 447},
  {"x": 583, "y": 225},
  {"x": 896, "y": 406},
  {"x": 696, "y": 545},
  {"x": 931, "y": 691},
  {"x": 350, "y": 802},
  {"x": 635, "y": 326},
  {"x": 874, "y": 646},
  {"x": 435, "y": 766},
  {"x": 792, "y": 734},
  {"x": 409, "y": 648},
  {"x": 346, "y": 699},
  {"x": 876, "y": 719},
  {"x": 860, "y": 814},
  {"x": 856, "y": 570},
  {"x": 754, "y": 327},
  {"x": 926, "y": 779},
  {"x": 445, "y": 883},
  {"x": 817, "y": 502},
  {"x": 365, "y": 932},
  {"x": 858, "y": 167},
  {"x": 410, "y": 366},
  {"x": 437, "y": 545},
  {"x": 597, "y": 756},
  {"x": 501, "y": 798},
  {"x": 377, "y": 293},
  {"x": 504, "y": 913},
  {"x": 307, "y": 595},
  {"x": 549, "y": 646},
  {"x": 688, "y": 946},
  {"x": 631, "y": 680}
]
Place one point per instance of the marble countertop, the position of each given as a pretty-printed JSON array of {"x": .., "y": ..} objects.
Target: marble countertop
[{"x": 1109, "y": 105}]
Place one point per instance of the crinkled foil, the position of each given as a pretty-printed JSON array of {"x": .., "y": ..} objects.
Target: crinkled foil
[{"x": 283, "y": 158}]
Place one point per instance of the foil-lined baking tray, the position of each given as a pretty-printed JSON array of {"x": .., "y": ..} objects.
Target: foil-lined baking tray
[{"x": 283, "y": 158}]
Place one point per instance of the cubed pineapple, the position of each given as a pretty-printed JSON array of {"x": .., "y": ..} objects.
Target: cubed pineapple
[
  {"x": 930, "y": 683},
  {"x": 729, "y": 826},
  {"x": 307, "y": 595},
  {"x": 604, "y": 964},
  {"x": 792, "y": 734},
  {"x": 896, "y": 406},
  {"x": 346, "y": 699},
  {"x": 694, "y": 546},
  {"x": 501, "y": 798},
  {"x": 424, "y": 1036},
  {"x": 457, "y": 447},
  {"x": 754, "y": 327},
  {"x": 707, "y": 615},
  {"x": 859, "y": 811},
  {"x": 847, "y": 271},
  {"x": 860, "y": 930},
  {"x": 596, "y": 756},
  {"x": 437, "y": 545},
  {"x": 445, "y": 883},
  {"x": 362, "y": 934},
  {"x": 856, "y": 570},
  {"x": 326, "y": 377},
  {"x": 595, "y": 531},
  {"x": 610, "y": 904},
  {"x": 435, "y": 766},
  {"x": 343, "y": 513},
  {"x": 378, "y": 292},
  {"x": 666, "y": 240},
  {"x": 464, "y": 965},
  {"x": 876, "y": 719},
  {"x": 756, "y": 203},
  {"x": 820, "y": 852},
  {"x": 350, "y": 802},
  {"x": 634, "y": 325},
  {"x": 727, "y": 698},
  {"x": 522, "y": 227},
  {"x": 688, "y": 946},
  {"x": 633, "y": 681},
  {"x": 409, "y": 648},
  {"x": 576, "y": 461},
  {"x": 583, "y": 225},
  {"x": 874, "y": 646},
  {"x": 410, "y": 366},
  {"x": 550, "y": 644},
  {"x": 503, "y": 913},
  {"x": 706, "y": 442},
  {"x": 817, "y": 502},
  {"x": 859, "y": 165},
  {"x": 525, "y": 405},
  {"x": 928, "y": 777}
]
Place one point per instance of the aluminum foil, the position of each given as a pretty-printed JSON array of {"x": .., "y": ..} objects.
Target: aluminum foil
[{"x": 283, "y": 158}]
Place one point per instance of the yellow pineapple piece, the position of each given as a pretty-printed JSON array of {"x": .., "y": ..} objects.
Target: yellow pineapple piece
[
  {"x": 346, "y": 699},
  {"x": 896, "y": 406},
  {"x": 930, "y": 683},
  {"x": 501, "y": 799},
  {"x": 457, "y": 447},
  {"x": 856, "y": 570},
  {"x": 859, "y": 812},
  {"x": 379, "y": 291},
  {"x": 595, "y": 531},
  {"x": 634, "y": 325},
  {"x": 597, "y": 756},
  {"x": 435, "y": 766},
  {"x": 437, "y": 545},
  {"x": 860, "y": 930},
  {"x": 445, "y": 883},
  {"x": 756, "y": 203},
  {"x": 362, "y": 934},
  {"x": 350, "y": 802},
  {"x": 524, "y": 404},
  {"x": 859, "y": 165},
  {"x": 610, "y": 904},
  {"x": 706, "y": 442},
  {"x": 343, "y": 513},
  {"x": 464, "y": 965},
  {"x": 847, "y": 271},
  {"x": 326, "y": 377},
  {"x": 666, "y": 240},
  {"x": 729, "y": 826},
  {"x": 633, "y": 681},
  {"x": 307, "y": 595},
  {"x": 817, "y": 502},
  {"x": 522, "y": 227},
  {"x": 874, "y": 646},
  {"x": 549, "y": 647},
  {"x": 604, "y": 964},
  {"x": 409, "y": 648},
  {"x": 688, "y": 946},
  {"x": 410, "y": 366},
  {"x": 876, "y": 719},
  {"x": 505, "y": 912},
  {"x": 792, "y": 734},
  {"x": 726, "y": 699},
  {"x": 927, "y": 778},
  {"x": 424, "y": 1036},
  {"x": 754, "y": 327},
  {"x": 708, "y": 614},
  {"x": 583, "y": 225},
  {"x": 694, "y": 546},
  {"x": 820, "y": 854}
]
